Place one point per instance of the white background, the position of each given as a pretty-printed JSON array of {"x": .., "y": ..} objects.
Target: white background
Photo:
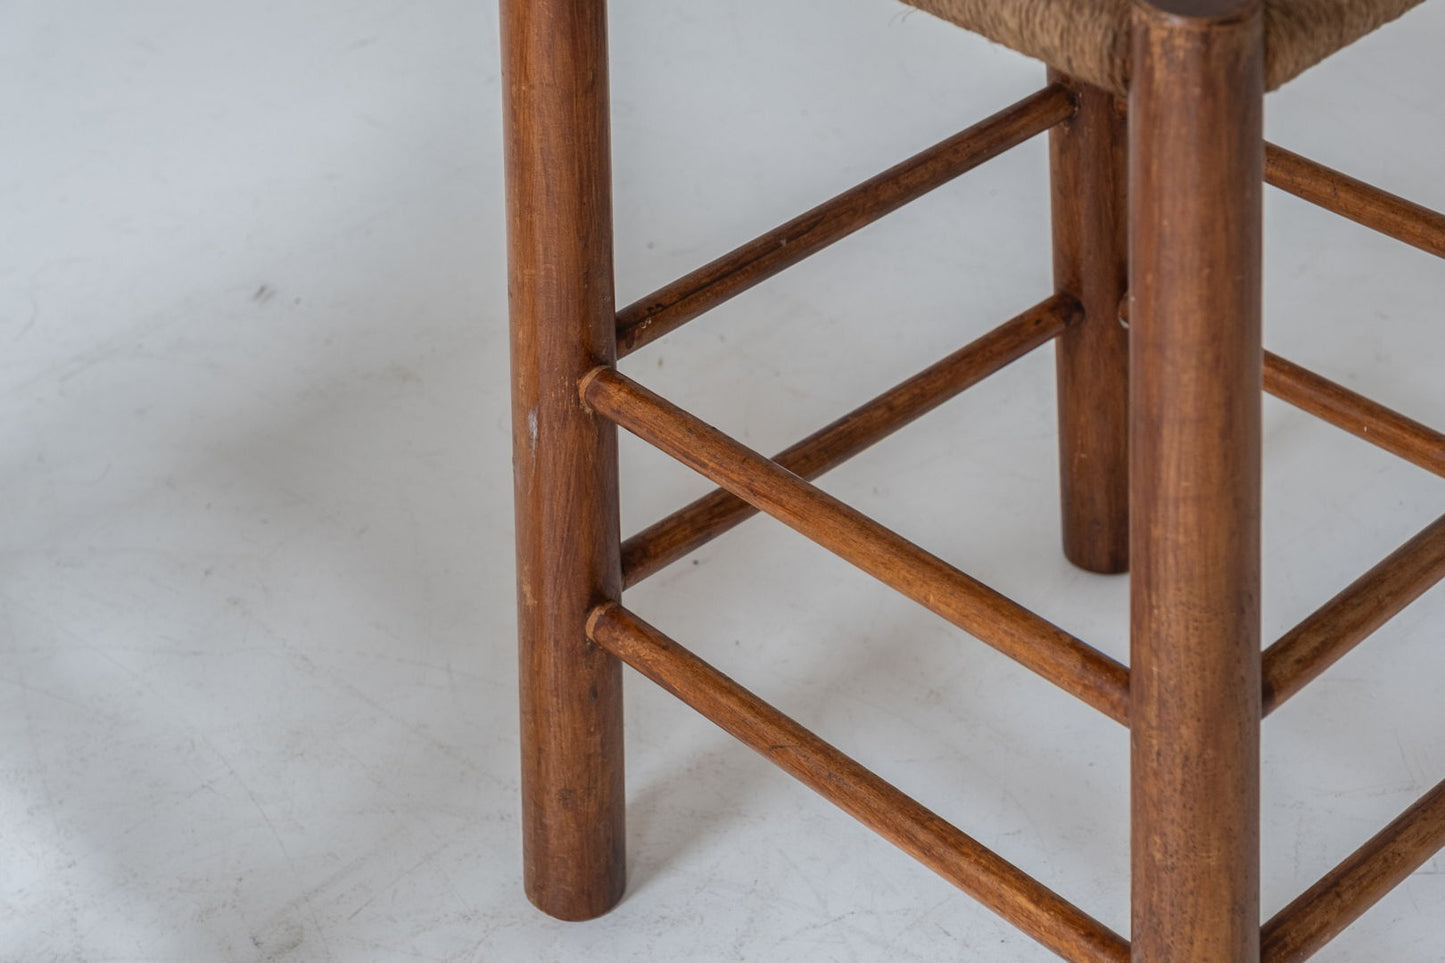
[{"x": 256, "y": 665}]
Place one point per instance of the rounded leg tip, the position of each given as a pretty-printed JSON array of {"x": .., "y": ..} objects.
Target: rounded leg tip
[
  {"x": 575, "y": 906},
  {"x": 1099, "y": 559}
]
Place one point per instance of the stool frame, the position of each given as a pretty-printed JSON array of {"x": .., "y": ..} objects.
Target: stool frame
[{"x": 1156, "y": 319}]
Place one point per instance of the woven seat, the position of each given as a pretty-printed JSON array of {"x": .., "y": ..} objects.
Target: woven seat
[{"x": 1090, "y": 38}]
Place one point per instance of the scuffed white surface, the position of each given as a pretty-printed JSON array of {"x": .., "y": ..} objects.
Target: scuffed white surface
[{"x": 256, "y": 676}]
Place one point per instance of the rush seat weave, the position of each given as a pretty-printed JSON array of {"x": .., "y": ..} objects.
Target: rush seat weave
[{"x": 1089, "y": 39}]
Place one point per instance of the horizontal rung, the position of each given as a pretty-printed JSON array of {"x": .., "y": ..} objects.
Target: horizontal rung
[
  {"x": 984, "y": 613},
  {"x": 670, "y": 307},
  {"x": 698, "y": 523},
  {"x": 880, "y": 806},
  {"x": 1322, "y": 912},
  {"x": 1355, "y": 413},
  {"x": 1360, "y": 202},
  {"x": 1351, "y": 616}
]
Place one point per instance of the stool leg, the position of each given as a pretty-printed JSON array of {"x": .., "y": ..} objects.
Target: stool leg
[
  {"x": 565, "y": 458},
  {"x": 1088, "y": 159},
  {"x": 1196, "y": 174}
]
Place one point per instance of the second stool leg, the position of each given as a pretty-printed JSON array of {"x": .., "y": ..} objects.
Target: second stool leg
[
  {"x": 1196, "y": 175},
  {"x": 559, "y": 230},
  {"x": 1088, "y": 160}
]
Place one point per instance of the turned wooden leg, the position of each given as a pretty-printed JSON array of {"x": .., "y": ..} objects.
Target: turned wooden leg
[
  {"x": 1195, "y": 169},
  {"x": 565, "y": 458},
  {"x": 1088, "y": 158}
]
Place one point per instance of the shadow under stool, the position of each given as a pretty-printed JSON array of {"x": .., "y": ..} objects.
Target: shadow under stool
[{"x": 1158, "y": 161}]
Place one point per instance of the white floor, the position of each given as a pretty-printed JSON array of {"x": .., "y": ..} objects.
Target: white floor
[{"x": 255, "y": 552}]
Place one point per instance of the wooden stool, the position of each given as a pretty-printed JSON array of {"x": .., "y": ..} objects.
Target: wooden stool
[{"x": 1154, "y": 112}]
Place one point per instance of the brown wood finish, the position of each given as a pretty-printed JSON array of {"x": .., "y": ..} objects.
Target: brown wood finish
[
  {"x": 1323, "y": 638},
  {"x": 1088, "y": 158},
  {"x": 1360, "y": 416},
  {"x": 565, "y": 459},
  {"x": 1320, "y": 914},
  {"x": 696, "y": 524},
  {"x": 1196, "y": 164},
  {"x": 1196, "y": 180},
  {"x": 1360, "y": 202},
  {"x": 672, "y": 306},
  {"x": 989, "y": 616},
  {"x": 925, "y": 836}
]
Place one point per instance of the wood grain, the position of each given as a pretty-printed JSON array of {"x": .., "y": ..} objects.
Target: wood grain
[
  {"x": 1088, "y": 158},
  {"x": 564, "y": 458},
  {"x": 670, "y": 307},
  {"x": 696, "y": 524},
  {"x": 1360, "y": 416},
  {"x": 1195, "y": 172},
  {"x": 954, "y": 855},
  {"x": 1330, "y": 632},
  {"x": 1360, "y": 202},
  {"x": 1186, "y": 162},
  {"x": 989, "y": 616},
  {"x": 1322, "y": 912}
]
